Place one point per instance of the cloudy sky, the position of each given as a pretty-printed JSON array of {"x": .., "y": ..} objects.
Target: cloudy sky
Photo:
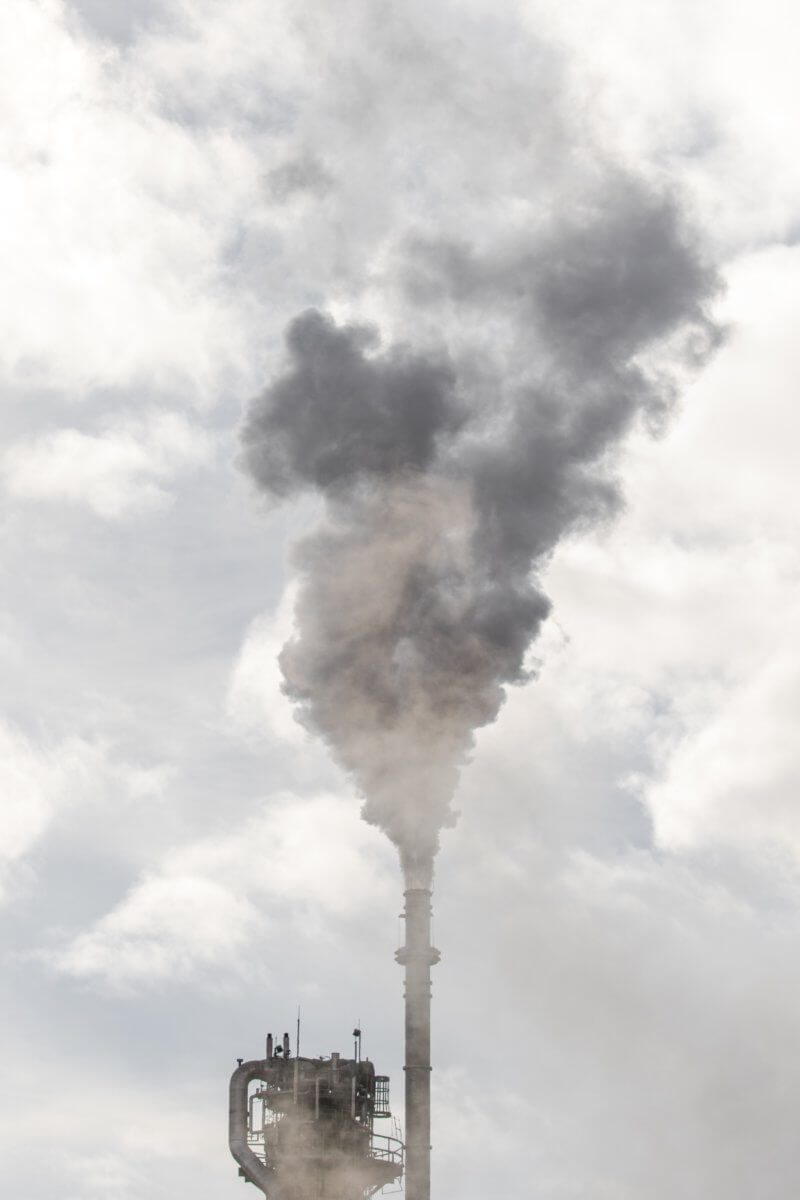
[{"x": 181, "y": 864}]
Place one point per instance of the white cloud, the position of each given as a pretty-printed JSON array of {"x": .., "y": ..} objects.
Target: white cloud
[
  {"x": 736, "y": 779},
  {"x": 116, "y": 220},
  {"x": 31, "y": 787},
  {"x": 116, "y": 473},
  {"x": 703, "y": 90},
  {"x": 625, "y": 1014},
  {"x": 311, "y": 856},
  {"x": 256, "y": 703},
  {"x": 153, "y": 1144},
  {"x": 632, "y": 990},
  {"x": 680, "y": 620},
  {"x": 39, "y": 783},
  {"x": 168, "y": 928},
  {"x": 498, "y": 1118},
  {"x": 322, "y": 856}
]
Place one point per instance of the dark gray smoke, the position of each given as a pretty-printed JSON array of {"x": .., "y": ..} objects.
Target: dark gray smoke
[{"x": 450, "y": 477}]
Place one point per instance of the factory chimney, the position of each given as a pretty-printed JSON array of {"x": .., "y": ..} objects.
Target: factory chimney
[
  {"x": 450, "y": 473},
  {"x": 417, "y": 956}
]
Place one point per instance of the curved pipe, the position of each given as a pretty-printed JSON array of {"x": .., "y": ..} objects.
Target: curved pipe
[{"x": 254, "y": 1170}]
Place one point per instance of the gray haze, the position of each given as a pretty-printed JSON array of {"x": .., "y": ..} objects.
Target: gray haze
[
  {"x": 180, "y": 863},
  {"x": 448, "y": 483}
]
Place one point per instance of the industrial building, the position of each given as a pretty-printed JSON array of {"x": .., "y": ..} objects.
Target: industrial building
[{"x": 304, "y": 1128}]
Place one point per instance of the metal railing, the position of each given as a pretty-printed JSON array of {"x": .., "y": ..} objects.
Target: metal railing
[{"x": 387, "y": 1149}]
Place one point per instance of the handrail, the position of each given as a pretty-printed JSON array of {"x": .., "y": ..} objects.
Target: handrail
[{"x": 392, "y": 1151}]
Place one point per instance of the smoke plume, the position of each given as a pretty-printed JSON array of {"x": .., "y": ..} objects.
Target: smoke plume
[{"x": 450, "y": 473}]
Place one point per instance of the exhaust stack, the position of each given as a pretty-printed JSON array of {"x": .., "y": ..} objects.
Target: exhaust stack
[{"x": 418, "y": 956}]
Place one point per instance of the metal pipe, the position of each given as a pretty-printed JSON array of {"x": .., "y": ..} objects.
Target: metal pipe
[
  {"x": 417, "y": 956},
  {"x": 237, "y": 1127}
]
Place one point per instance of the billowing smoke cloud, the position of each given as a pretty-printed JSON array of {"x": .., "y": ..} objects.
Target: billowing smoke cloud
[{"x": 450, "y": 475}]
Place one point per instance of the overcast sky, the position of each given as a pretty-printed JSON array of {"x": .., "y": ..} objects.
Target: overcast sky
[{"x": 615, "y": 1013}]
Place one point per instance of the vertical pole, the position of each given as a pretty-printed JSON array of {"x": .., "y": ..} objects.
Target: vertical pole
[{"x": 418, "y": 956}]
